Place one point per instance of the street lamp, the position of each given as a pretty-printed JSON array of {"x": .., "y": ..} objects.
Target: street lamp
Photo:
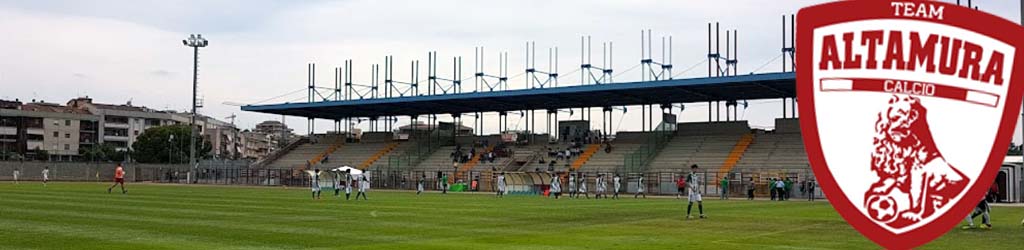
[{"x": 195, "y": 41}]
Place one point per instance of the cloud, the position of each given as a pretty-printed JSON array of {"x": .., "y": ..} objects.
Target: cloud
[
  {"x": 162, "y": 73},
  {"x": 129, "y": 49}
]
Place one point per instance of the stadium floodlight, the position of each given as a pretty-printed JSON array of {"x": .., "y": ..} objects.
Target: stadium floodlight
[{"x": 195, "y": 41}]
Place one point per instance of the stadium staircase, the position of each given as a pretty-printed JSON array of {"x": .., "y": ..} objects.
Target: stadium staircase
[
  {"x": 470, "y": 164},
  {"x": 736, "y": 154},
  {"x": 585, "y": 156},
  {"x": 369, "y": 162}
]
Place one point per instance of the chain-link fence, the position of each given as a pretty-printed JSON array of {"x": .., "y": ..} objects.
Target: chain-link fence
[{"x": 797, "y": 183}]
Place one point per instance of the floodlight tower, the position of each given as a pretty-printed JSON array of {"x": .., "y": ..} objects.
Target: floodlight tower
[{"x": 195, "y": 41}]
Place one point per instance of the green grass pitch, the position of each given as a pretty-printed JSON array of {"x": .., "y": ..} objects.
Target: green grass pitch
[{"x": 84, "y": 216}]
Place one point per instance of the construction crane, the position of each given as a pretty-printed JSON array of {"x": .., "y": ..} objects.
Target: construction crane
[{"x": 232, "y": 117}]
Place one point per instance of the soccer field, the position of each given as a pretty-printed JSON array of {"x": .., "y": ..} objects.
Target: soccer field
[{"x": 84, "y": 216}]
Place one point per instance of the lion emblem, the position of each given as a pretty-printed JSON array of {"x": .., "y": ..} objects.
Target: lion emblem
[{"x": 914, "y": 180}]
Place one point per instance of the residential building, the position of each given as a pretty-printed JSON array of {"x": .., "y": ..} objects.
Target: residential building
[
  {"x": 256, "y": 145},
  {"x": 120, "y": 125},
  {"x": 61, "y": 131},
  {"x": 279, "y": 132}
]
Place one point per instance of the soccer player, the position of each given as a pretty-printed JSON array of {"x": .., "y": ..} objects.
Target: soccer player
[
  {"x": 724, "y": 185},
  {"x": 694, "y": 184},
  {"x": 419, "y": 184},
  {"x": 444, "y": 184},
  {"x": 16, "y": 174},
  {"x": 582, "y": 186},
  {"x": 750, "y": 189},
  {"x": 118, "y": 179},
  {"x": 680, "y": 186},
  {"x": 315, "y": 184},
  {"x": 556, "y": 186},
  {"x": 810, "y": 190},
  {"x": 501, "y": 184},
  {"x": 348, "y": 183},
  {"x": 640, "y": 187},
  {"x": 364, "y": 185},
  {"x": 617, "y": 185},
  {"x": 780, "y": 189},
  {"x": 46, "y": 175},
  {"x": 572, "y": 184},
  {"x": 771, "y": 187},
  {"x": 982, "y": 209},
  {"x": 337, "y": 184}
]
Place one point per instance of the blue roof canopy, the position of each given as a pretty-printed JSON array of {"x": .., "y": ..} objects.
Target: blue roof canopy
[{"x": 743, "y": 87}]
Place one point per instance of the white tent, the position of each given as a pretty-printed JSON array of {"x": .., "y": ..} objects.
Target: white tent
[{"x": 342, "y": 169}]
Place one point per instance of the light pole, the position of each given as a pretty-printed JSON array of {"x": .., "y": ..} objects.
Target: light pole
[{"x": 195, "y": 41}]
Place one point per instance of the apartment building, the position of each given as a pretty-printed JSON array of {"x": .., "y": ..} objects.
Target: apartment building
[
  {"x": 120, "y": 125},
  {"x": 60, "y": 131},
  {"x": 256, "y": 145}
]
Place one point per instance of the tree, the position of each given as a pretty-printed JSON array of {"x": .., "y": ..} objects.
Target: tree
[
  {"x": 42, "y": 155},
  {"x": 166, "y": 144},
  {"x": 1014, "y": 149},
  {"x": 102, "y": 152}
]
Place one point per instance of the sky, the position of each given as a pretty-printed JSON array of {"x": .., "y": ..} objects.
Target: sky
[{"x": 130, "y": 50}]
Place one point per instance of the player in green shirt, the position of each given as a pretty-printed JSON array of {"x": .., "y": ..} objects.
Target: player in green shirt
[
  {"x": 789, "y": 188},
  {"x": 444, "y": 184},
  {"x": 724, "y": 184}
]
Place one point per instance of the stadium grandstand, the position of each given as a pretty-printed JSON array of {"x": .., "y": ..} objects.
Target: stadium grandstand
[{"x": 423, "y": 146}]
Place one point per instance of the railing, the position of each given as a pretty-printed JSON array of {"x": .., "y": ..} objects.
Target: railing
[
  {"x": 661, "y": 182},
  {"x": 638, "y": 160},
  {"x": 423, "y": 148}
]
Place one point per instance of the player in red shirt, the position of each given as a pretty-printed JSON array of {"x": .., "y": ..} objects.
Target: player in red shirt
[
  {"x": 118, "y": 179},
  {"x": 680, "y": 186}
]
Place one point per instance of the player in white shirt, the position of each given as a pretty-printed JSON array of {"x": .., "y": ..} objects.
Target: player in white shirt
[
  {"x": 337, "y": 184},
  {"x": 572, "y": 184},
  {"x": 640, "y": 186},
  {"x": 693, "y": 184},
  {"x": 582, "y": 185},
  {"x": 314, "y": 183},
  {"x": 348, "y": 183},
  {"x": 501, "y": 184},
  {"x": 600, "y": 186},
  {"x": 46, "y": 175},
  {"x": 16, "y": 174},
  {"x": 556, "y": 186},
  {"x": 419, "y": 184},
  {"x": 364, "y": 185},
  {"x": 617, "y": 185}
]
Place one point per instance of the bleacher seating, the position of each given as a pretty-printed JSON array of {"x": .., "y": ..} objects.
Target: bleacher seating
[
  {"x": 782, "y": 148},
  {"x": 706, "y": 144},
  {"x": 303, "y": 153},
  {"x": 354, "y": 154}
]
